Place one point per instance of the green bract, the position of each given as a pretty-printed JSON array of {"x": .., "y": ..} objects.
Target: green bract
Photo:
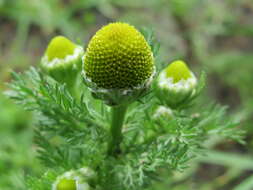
[
  {"x": 176, "y": 84},
  {"x": 118, "y": 63},
  {"x": 62, "y": 60}
]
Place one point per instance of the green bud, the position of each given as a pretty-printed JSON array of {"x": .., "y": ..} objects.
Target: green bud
[
  {"x": 163, "y": 112},
  {"x": 118, "y": 64},
  {"x": 176, "y": 84},
  {"x": 60, "y": 47},
  {"x": 178, "y": 70},
  {"x": 75, "y": 180},
  {"x": 62, "y": 60}
]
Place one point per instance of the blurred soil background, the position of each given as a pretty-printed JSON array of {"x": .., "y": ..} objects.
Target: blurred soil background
[{"x": 211, "y": 35}]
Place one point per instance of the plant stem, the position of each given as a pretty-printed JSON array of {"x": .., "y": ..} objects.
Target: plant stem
[
  {"x": 118, "y": 115},
  {"x": 73, "y": 88}
]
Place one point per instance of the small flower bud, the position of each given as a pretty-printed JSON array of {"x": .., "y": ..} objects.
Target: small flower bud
[
  {"x": 62, "y": 60},
  {"x": 118, "y": 64},
  {"x": 163, "y": 112},
  {"x": 75, "y": 180},
  {"x": 176, "y": 84}
]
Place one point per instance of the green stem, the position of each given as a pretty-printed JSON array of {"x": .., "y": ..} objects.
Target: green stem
[
  {"x": 73, "y": 91},
  {"x": 118, "y": 115},
  {"x": 73, "y": 88}
]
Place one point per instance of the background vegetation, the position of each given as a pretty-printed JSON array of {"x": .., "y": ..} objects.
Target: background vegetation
[{"x": 214, "y": 35}]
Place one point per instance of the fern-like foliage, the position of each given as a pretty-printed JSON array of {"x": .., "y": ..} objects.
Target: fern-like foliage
[{"x": 73, "y": 133}]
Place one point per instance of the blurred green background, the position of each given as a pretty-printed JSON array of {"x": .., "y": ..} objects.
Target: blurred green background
[{"x": 211, "y": 35}]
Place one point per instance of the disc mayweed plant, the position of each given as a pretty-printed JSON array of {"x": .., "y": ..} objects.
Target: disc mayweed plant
[{"x": 136, "y": 121}]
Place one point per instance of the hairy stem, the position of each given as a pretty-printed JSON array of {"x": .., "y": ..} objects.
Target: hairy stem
[{"x": 118, "y": 115}]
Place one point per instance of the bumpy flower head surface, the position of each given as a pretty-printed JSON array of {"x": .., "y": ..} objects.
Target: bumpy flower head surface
[{"x": 118, "y": 57}]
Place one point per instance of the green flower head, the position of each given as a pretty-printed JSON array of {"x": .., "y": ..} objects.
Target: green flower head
[
  {"x": 177, "y": 76},
  {"x": 66, "y": 184},
  {"x": 178, "y": 70},
  {"x": 176, "y": 83},
  {"x": 59, "y": 47},
  {"x": 62, "y": 60},
  {"x": 118, "y": 57},
  {"x": 75, "y": 180}
]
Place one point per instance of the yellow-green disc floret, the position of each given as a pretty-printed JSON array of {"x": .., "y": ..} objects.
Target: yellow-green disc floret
[
  {"x": 178, "y": 70},
  {"x": 60, "y": 47},
  {"x": 66, "y": 184},
  {"x": 118, "y": 57},
  {"x": 62, "y": 61}
]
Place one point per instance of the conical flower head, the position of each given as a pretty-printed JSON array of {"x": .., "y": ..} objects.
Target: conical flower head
[
  {"x": 118, "y": 57},
  {"x": 176, "y": 84},
  {"x": 62, "y": 59},
  {"x": 118, "y": 66}
]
